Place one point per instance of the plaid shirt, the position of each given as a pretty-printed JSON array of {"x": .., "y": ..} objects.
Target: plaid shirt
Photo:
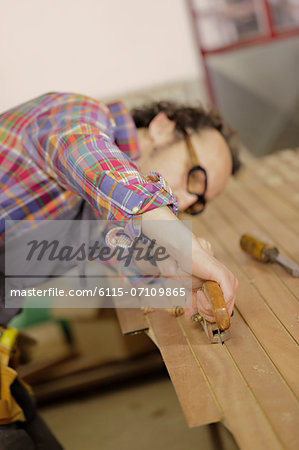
[{"x": 60, "y": 148}]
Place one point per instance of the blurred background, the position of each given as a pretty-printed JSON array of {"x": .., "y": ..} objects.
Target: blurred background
[
  {"x": 242, "y": 55},
  {"x": 96, "y": 388}
]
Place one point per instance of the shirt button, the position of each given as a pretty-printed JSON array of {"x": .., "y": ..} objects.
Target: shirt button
[{"x": 135, "y": 209}]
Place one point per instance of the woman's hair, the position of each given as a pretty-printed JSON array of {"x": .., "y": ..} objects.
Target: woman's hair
[{"x": 189, "y": 118}]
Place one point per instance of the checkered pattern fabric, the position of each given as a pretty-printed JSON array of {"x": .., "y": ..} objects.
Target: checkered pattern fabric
[{"x": 60, "y": 148}]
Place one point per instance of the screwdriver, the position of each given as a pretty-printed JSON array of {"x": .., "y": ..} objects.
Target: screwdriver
[{"x": 267, "y": 253}]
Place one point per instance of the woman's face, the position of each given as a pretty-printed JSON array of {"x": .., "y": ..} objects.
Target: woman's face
[{"x": 173, "y": 162}]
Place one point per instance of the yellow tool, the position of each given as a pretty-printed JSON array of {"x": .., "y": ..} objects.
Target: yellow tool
[
  {"x": 267, "y": 253},
  {"x": 10, "y": 411},
  {"x": 219, "y": 331}
]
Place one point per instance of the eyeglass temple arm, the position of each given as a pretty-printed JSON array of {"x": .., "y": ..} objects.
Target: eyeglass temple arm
[{"x": 191, "y": 149}]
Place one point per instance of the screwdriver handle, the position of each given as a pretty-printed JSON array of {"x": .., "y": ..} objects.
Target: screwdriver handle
[
  {"x": 258, "y": 249},
  {"x": 214, "y": 294}
]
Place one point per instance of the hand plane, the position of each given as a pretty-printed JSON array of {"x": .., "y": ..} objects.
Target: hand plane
[
  {"x": 219, "y": 331},
  {"x": 267, "y": 253}
]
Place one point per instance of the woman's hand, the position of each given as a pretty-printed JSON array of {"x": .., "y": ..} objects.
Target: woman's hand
[
  {"x": 206, "y": 267},
  {"x": 201, "y": 264},
  {"x": 219, "y": 272}
]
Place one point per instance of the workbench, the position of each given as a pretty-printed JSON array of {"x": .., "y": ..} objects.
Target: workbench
[{"x": 250, "y": 383}]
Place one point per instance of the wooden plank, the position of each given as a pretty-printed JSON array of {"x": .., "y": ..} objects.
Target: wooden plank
[
  {"x": 277, "y": 173},
  {"x": 241, "y": 222},
  {"x": 272, "y": 178},
  {"x": 280, "y": 300},
  {"x": 273, "y": 202},
  {"x": 283, "y": 304},
  {"x": 131, "y": 320},
  {"x": 250, "y": 381},
  {"x": 243, "y": 414},
  {"x": 278, "y": 403},
  {"x": 267, "y": 328},
  {"x": 287, "y": 163},
  {"x": 270, "y": 225},
  {"x": 197, "y": 400},
  {"x": 290, "y": 282}
]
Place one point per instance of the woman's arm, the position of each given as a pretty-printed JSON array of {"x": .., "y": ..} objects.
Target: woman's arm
[{"x": 192, "y": 255}]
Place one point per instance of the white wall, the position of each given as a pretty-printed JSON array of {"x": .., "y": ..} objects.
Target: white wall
[{"x": 96, "y": 47}]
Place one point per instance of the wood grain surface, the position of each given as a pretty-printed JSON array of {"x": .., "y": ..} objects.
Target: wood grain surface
[
  {"x": 131, "y": 320},
  {"x": 251, "y": 382}
]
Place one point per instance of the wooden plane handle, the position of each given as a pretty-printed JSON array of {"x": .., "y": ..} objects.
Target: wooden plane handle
[{"x": 214, "y": 294}]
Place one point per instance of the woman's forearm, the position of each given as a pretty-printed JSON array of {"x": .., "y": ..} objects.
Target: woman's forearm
[{"x": 188, "y": 250}]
